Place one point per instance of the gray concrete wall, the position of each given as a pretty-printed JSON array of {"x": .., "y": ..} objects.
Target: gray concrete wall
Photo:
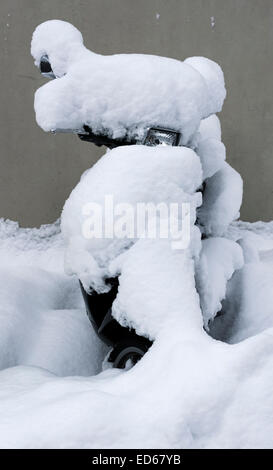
[{"x": 39, "y": 170}]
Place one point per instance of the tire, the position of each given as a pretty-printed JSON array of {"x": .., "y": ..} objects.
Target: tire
[{"x": 128, "y": 352}]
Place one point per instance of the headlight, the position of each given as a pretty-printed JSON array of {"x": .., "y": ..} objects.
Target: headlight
[
  {"x": 161, "y": 137},
  {"x": 45, "y": 67},
  {"x": 153, "y": 137}
]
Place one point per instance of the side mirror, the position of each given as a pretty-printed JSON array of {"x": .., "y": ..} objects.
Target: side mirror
[{"x": 45, "y": 68}]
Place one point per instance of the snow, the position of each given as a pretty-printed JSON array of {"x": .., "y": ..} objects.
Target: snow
[
  {"x": 249, "y": 287},
  {"x": 60, "y": 41},
  {"x": 222, "y": 201},
  {"x": 147, "y": 301},
  {"x": 131, "y": 174},
  {"x": 214, "y": 78},
  {"x": 248, "y": 305},
  {"x": 153, "y": 175},
  {"x": 212, "y": 155},
  {"x": 112, "y": 94},
  {"x": 42, "y": 319},
  {"x": 209, "y": 147},
  {"x": 210, "y": 128},
  {"x": 223, "y": 186},
  {"x": 189, "y": 391},
  {"x": 219, "y": 259}
]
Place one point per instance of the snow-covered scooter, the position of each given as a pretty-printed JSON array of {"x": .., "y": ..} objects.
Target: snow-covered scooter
[
  {"x": 142, "y": 101},
  {"x": 127, "y": 346}
]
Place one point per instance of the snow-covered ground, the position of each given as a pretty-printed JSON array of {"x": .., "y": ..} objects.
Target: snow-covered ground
[{"x": 189, "y": 390}]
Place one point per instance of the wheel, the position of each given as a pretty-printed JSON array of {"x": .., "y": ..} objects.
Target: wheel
[{"x": 128, "y": 352}]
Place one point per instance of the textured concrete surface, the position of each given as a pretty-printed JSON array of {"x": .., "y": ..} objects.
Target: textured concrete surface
[{"x": 39, "y": 170}]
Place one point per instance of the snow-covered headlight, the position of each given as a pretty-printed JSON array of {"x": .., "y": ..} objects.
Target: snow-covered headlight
[
  {"x": 161, "y": 137},
  {"x": 45, "y": 67}
]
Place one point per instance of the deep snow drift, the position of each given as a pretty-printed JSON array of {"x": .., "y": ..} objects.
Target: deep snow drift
[
  {"x": 188, "y": 391},
  {"x": 42, "y": 318}
]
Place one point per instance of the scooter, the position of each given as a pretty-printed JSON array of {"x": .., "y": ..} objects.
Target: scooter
[{"x": 127, "y": 346}]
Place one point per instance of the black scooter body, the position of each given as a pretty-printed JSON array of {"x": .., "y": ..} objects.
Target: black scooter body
[{"x": 126, "y": 344}]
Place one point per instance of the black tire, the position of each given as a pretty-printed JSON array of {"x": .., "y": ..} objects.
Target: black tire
[{"x": 128, "y": 350}]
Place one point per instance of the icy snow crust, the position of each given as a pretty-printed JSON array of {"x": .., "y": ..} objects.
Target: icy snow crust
[
  {"x": 124, "y": 93},
  {"x": 189, "y": 391}
]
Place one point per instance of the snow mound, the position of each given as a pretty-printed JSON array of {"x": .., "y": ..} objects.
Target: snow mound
[
  {"x": 189, "y": 391},
  {"x": 43, "y": 320},
  {"x": 131, "y": 174},
  {"x": 147, "y": 301},
  {"x": 123, "y": 93},
  {"x": 260, "y": 234},
  {"x": 248, "y": 308}
]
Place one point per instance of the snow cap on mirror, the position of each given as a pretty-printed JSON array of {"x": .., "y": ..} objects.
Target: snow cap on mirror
[{"x": 57, "y": 39}]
